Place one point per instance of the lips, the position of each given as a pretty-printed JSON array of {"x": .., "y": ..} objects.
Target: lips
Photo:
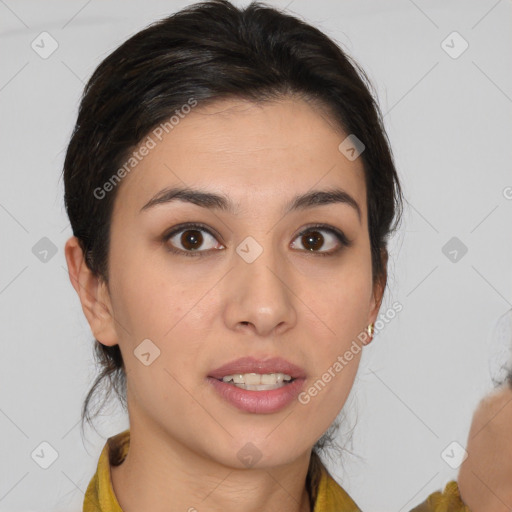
[{"x": 254, "y": 365}]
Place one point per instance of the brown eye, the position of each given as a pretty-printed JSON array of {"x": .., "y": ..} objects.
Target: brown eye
[
  {"x": 314, "y": 238},
  {"x": 190, "y": 240}
]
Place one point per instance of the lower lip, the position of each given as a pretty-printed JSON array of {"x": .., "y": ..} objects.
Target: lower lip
[{"x": 258, "y": 402}]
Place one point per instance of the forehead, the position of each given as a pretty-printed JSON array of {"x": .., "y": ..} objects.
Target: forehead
[{"x": 251, "y": 152}]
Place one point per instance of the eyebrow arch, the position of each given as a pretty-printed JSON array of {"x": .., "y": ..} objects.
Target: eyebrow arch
[{"x": 215, "y": 201}]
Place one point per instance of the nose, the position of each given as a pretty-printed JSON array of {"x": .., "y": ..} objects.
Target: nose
[{"x": 260, "y": 296}]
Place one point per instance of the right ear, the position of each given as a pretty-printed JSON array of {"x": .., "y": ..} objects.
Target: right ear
[{"x": 93, "y": 294}]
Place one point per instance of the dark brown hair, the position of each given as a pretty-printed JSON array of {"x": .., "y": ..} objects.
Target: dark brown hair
[{"x": 210, "y": 51}]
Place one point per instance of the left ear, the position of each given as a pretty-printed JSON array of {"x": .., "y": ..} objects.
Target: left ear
[{"x": 378, "y": 289}]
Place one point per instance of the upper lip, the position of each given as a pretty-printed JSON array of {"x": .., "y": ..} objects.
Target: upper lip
[{"x": 254, "y": 365}]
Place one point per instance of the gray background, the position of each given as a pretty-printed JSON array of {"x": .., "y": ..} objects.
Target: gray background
[{"x": 449, "y": 122}]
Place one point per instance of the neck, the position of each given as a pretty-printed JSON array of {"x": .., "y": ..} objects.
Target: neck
[{"x": 160, "y": 474}]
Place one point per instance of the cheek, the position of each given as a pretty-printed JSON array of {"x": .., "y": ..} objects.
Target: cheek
[
  {"x": 159, "y": 390},
  {"x": 150, "y": 299},
  {"x": 341, "y": 304},
  {"x": 327, "y": 391},
  {"x": 172, "y": 319},
  {"x": 341, "y": 312}
]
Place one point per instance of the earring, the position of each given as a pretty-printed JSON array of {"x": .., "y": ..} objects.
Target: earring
[{"x": 369, "y": 330}]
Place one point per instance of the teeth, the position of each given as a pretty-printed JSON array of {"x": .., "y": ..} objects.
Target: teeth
[{"x": 257, "y": 381}]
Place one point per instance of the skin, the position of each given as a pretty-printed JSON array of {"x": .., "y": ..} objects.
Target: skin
[
  {"x": 203, "y": 312},
  {"x": 485, "y": 477}
]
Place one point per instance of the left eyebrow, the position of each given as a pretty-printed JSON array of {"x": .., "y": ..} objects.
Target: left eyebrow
[
  {"x": 323, "y": 197},
  {"x": 215, "y": 201}
]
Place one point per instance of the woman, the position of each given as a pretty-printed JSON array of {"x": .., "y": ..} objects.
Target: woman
[{"x": 231, "y": 190}]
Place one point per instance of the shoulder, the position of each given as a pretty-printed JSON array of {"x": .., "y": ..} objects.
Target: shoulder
[
  {"x": 331, "y": 497},
  {"x": 100, "y": 496},
  {"x": 448, "y": 500}
]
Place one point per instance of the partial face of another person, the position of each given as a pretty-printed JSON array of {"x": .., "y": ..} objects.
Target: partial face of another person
[
  {"x": 485, "y": 477},
  {"x": 256, "y": 277}
]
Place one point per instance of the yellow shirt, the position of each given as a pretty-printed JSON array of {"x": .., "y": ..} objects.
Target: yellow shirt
[
  {"x": 447, "y": 501},
  {"x": 100, "y": 496}
]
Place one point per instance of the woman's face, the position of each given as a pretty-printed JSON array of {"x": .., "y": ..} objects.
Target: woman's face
[{"x": 250, "y": 283}]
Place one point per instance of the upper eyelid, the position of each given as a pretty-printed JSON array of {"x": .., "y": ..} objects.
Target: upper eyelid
[{"x": 193, "y": 225}]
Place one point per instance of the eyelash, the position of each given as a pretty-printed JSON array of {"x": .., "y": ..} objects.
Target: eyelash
[{"x": 341, "y": 237}]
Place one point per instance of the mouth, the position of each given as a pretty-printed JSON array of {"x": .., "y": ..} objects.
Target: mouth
[
  {"x": 258, "y": 386},
  {"x": 258, "y": 374},
  {"x": 258, "y": 381},
  {"x": 276, "y": 366}
]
